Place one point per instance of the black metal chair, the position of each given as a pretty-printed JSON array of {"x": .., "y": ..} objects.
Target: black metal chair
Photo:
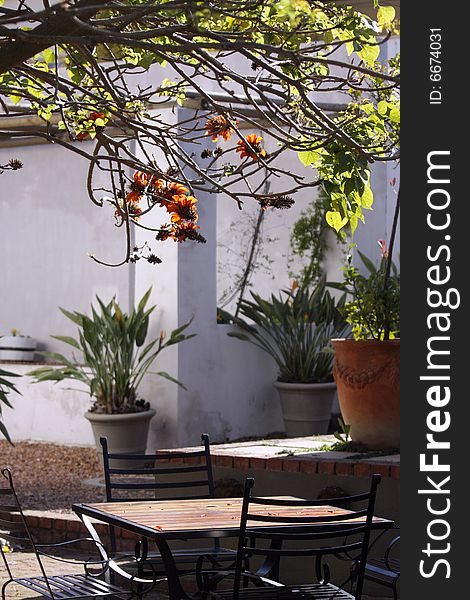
[
  {"x": 16, "y": 535},
  {"x": 385, "y": 570},
  {"x": 318, "y": 538},
  {"x": 147, "y": 480}
]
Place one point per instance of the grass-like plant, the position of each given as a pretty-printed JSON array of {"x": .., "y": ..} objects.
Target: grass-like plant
[
  {"x": 113, "y": 355},
  {"x": 295, "y": 328}
]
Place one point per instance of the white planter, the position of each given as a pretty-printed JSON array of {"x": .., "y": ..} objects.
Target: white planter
[
  {"x": 306, "y": 407},
  {"x": 19, "y": 348}
]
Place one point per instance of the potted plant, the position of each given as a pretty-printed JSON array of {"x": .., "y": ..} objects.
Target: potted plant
[
  {"x": 114, "y": 359},
  {"x": 17, "y": 347},
  {"x": 295, "y": 328},
  {"x": 367, "y": 367}
]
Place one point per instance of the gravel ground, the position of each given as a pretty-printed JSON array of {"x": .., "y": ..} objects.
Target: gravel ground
[{"x": 52, "y": 477}]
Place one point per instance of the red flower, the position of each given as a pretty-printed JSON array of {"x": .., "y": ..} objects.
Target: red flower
[
  {"x": 251, "y": 147},
  {"x": 133, "y": 197},
  {"x": 94, "y": 115},
  {"x": 183, "y": 209},
  {"x": 133, "y": 210},
  {"x": 383, "y": 247},
  {"x": 186, "y": 231},
  {"x": 143, "y": 181},
  {"x": 219, "y": 126}
]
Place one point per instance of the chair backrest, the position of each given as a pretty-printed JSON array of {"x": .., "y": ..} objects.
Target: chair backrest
[
  {"x": 140, "y": 477},
  {"x": 15, "y": 534},
  {"x": 320, "y": 535}
]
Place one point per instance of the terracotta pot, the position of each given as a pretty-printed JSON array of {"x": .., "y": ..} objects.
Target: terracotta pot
[{"x": 367, "y": 374}]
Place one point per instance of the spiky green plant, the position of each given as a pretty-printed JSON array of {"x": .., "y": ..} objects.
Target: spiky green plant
[
  {"x": 294, "y": 328},
  {"x": 114, "y": 356}
]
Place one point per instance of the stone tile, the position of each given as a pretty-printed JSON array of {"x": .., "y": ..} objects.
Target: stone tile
[
  {"x": 392, "y": 459},
  {"x": 249, "y": 451},
  {"x": 332, "y": 456}
]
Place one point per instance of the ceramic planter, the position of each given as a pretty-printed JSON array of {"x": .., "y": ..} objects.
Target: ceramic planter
[
  {"x": 125, "y": 432},
  {"x": 306, "y": 407},
  {"x": 367, "y": 374},
  {"x": 16, "y": 347}
]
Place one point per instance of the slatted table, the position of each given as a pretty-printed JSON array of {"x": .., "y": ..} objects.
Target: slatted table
[{"x": 164, "y": 520}]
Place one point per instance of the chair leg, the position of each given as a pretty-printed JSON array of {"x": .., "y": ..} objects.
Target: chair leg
[{"x": 4, "y": 587}]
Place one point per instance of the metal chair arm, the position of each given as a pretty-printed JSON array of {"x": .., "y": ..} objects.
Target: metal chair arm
[
  {"x": 387, "y": 554},
  {"x": 104, "y": 562},
  {"x": 68, "y": 542}
]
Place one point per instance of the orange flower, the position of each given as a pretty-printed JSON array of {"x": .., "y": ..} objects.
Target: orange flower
[
  {"x": 82, "y": 135},
  {"x": 219, "y": 126},
  {"x": 183, "y": 209},
  {"x": 184, "y": 231},
  {"x": 180, "y": 232},
  {"x": 251, "y": 147},
  {"x": 94, "y": 115},
  {"x": 175, "y": 188},
  {"x": 143, "y": 180},
  {"x": 171, "y": 194},
  {"x": 133, "y": 197},
  {"x": 133, "y": 210}
]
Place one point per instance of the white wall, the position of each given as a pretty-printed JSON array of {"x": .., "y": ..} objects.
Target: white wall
[
  {"x": 47, "y": 412},
  {"x": 47, "y": 227}
]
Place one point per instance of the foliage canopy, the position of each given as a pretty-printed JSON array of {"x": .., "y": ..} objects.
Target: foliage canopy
[{"x": 108, "y": 71}]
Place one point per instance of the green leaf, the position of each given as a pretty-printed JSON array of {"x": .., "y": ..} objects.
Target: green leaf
[
  {"x": 334, "y": 220},
  {"x": 144, "y": 300},
  {"x": 385, "y": 16},
  {"x": 309, "y": 157},
  {"x": 369, "y": 265},
  {"x": 367, "y": 198},
  {"x": 353, "y": 220},
  {"x": 394, "y": 115},
  {"x": 77, "y": 318},
  {"x": 141, "y": 333},
  {"x": 369, "y": 54},
  {"x": 49, "y": 55},
  {"x": 4, "y": 430},
  {"x": 165, "y": 375},
  {"x": 67, "y": 340},
  {"x": 382, "y": 107}
]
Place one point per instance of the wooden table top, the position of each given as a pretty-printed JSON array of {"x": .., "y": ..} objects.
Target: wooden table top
[{"x": 192, "y": 517}]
